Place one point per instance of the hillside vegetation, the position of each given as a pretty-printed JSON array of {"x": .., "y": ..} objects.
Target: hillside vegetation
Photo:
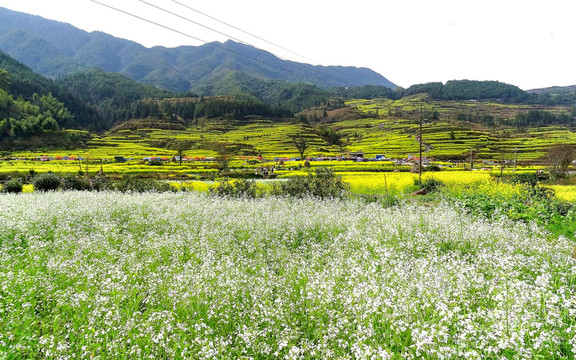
[
  {"x": 55, "y": 49},
  {"x": 496, "y": 121},
  {"x": 452, "y": 130}
]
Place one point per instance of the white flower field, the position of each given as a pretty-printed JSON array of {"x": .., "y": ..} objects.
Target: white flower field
[{"x": 188, "y": 276}]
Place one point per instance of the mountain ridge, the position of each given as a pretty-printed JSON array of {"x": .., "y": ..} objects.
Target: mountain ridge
[
  {"x": 552, "y": 89},
  {"x": 180, "y": 69}
]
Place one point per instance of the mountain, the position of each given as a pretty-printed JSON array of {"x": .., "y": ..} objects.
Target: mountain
[
  {"x": 111, "y": 94},
  {"x": 95, "y": 98},
  {"x": 26, "y": 83},
  {"x": 556, "y": 95},
  {"x": 470, "y": 90},
  {"x": 36, "y": 120},
  {"x": 54, "y": 49},
  {"x": 554, "y": 90}
]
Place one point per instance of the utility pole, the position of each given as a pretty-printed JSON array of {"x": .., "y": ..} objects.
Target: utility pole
[
  {"x": 471, "y": 158},
  {"x": 420, "y": 150}
]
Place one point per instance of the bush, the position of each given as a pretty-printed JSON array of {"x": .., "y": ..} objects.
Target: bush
[
  {"x": 155, "y": 162},
  {"x": 239, "y": 174},
  {"x": 526, "y": 179},
  {"x": 236, "y": 188},
  {"x": 323, "y": 184},
  {"x": 47, "y": 182},
  {"x": 99, "y": 183},
  {"x": 12, "y": 186},
  {"x": 432, "y": 184},
  {"x": 74, "y": 183}
]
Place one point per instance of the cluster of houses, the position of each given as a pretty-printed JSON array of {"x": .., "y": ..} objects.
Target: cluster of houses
[
  {"x": 177, "y": 158},
  {"x": 44, "y": 158},
  {"x": 352, "y": 156}
]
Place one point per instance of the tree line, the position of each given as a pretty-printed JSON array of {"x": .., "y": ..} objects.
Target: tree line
[
  {"x": 470, "y": 90},
  {"x": 490, "y": 90},
  {"x": 210, "y": 107}
]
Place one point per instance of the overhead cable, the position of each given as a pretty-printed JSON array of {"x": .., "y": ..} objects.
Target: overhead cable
[
  {"x": 311, "y": 68},
  {"x": 243, "y": 31},
  {"x": 254, "y": 36}
]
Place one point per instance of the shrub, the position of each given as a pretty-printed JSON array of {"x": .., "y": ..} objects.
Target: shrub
[
  {"x": 12, "y": 186},
  {"x": 155, "y": 162},
  {"x": 527, "y": 179},
  {"x": 239, "y": 174},
  {"x": 74, "y": 183},
  {"x": 324, "y": 183},
  {"x": 47, "y": 182},
  {"x": 236, "y": 188},
  {"x": 99, "y": 183},
  {"x": 432, "y": 184}
]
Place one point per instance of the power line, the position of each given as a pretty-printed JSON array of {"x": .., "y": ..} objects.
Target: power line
[
  {"x": 149, "y": 21},
  {"x": 204, "y": 41},
  {"x": 243, "y": 31},
  {"x": 178, "y": 32},
  {"x": 257, "y": 37},
  {"x": 189, "y": 20},
  {"x": 241, "y": 41}
]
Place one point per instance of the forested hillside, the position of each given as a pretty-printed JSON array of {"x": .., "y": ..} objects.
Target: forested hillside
[
  {"x": 111, "y": 95},
  {"x": 56, "y": 49},
  {"x": 37, "y": 121},
  {"x": 470, "y": 90},
  {"x": 493, "y": 90},
  {"x": 25, "y": 83}
]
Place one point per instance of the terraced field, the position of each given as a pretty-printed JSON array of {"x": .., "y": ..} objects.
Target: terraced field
[{"x": 375, "y": 127}]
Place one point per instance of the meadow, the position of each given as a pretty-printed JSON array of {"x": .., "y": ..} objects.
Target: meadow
[
  {"x": 483, "y": 267},
  {"x": 185, "y": 275}
]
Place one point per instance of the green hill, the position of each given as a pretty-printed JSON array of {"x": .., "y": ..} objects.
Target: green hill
[
  {"x": 112, "y": 95},
  {"x": 470, "y": 90},
  {"x": 55, "y": 49},
  {"x": 39, "y": 121}
]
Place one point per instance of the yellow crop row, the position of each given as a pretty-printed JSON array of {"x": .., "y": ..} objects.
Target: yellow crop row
[
  {"x": 564, "y": 192},
  {"x": 402, "y": 183}
]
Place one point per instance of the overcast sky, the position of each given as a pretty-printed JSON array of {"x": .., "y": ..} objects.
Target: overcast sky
[{"x": 527, "y": 43}]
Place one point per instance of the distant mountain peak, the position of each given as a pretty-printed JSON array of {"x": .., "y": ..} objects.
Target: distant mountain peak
[{"x": 180, "y": 69}]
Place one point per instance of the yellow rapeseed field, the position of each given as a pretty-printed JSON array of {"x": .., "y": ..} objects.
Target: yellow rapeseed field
[
  {"x": 564, "y": 192},
  {"x": 199, "y": 186},
  {"x": 397, "y": 183}
]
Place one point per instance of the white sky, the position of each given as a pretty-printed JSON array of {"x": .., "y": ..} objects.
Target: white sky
[{"x": 527, "y": 43}]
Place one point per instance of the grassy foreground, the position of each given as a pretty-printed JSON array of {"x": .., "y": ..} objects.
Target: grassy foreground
[{"x": 179, "y": 275}]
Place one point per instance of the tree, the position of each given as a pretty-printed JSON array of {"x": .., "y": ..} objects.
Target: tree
[
  {"x": 225, "y": 152},
  {"x": 330, "y": 135},
  {"x": 183, "y": 146},
  {"x": 300, "y": 143},
  {"x": 559, "y": 157},
  {"x": 53, "y": 108},
  {"x": 4, "y": 79}
]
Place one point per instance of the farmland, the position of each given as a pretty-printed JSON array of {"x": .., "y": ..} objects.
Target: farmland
[
  {"x": 179, "y": 275},
  {"x": 451, "y": 130},
  {"x": 265, "y": 212},
  {"x": 482, "y": 267}
]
